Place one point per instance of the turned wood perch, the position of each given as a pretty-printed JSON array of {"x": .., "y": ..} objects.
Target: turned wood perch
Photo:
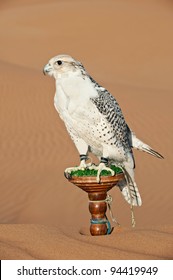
[{"x": 97, "y": 194}]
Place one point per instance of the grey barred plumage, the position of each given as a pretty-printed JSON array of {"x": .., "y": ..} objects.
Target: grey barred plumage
[
  {"x": 95, "y": 122},
  {"x": 108, "y": 106}
]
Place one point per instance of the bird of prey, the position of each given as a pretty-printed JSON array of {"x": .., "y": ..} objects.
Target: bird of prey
[{"x": 95, "y": 122}]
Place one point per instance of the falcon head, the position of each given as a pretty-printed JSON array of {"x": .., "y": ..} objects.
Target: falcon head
[{"x": 61, "y": 65}]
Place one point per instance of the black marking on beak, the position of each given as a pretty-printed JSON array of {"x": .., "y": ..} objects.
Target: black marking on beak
[{"x": 47, "y": 68}]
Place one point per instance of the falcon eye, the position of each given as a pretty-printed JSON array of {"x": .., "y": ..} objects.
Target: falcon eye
[{"x": 59, "y": 62}]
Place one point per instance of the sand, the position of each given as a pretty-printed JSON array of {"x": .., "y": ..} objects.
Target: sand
[{"x": 127, "y": 47}]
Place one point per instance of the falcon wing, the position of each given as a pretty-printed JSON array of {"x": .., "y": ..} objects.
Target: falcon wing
[{"x": 108, "y": 106}]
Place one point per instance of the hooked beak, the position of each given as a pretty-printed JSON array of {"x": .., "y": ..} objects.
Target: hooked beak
[{"x": 47, "y": 68}]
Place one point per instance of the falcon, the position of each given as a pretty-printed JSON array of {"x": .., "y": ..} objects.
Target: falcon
[{"x": 95, "y": 122}]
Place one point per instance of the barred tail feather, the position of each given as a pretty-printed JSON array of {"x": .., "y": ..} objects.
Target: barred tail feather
[
  {"x": 130, "y": 193},
  {"x": 128, "y": 186}
]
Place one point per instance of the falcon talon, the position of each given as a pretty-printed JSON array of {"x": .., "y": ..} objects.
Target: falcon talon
[
  {"x": 98, "y": 179},
  {"x": 67, "y": 175}
]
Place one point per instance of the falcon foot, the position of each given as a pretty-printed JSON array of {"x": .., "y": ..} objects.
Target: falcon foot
[
  {"x": 100, "y": 168},
  {"x": 82, "y": 166}
]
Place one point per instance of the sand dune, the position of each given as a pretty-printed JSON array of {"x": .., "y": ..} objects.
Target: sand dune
[
  {"x": 41, "y": 242},
  {"x": 127, "y": 47}
]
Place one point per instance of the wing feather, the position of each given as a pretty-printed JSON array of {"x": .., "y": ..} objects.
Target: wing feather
[{"x": 110, "y": 109}]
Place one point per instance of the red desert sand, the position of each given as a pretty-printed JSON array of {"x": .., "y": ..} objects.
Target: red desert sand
[{"x": 127, "y": 47}]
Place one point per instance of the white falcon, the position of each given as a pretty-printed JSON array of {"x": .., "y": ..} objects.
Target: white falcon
[{"x": 95, "y": 122}]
